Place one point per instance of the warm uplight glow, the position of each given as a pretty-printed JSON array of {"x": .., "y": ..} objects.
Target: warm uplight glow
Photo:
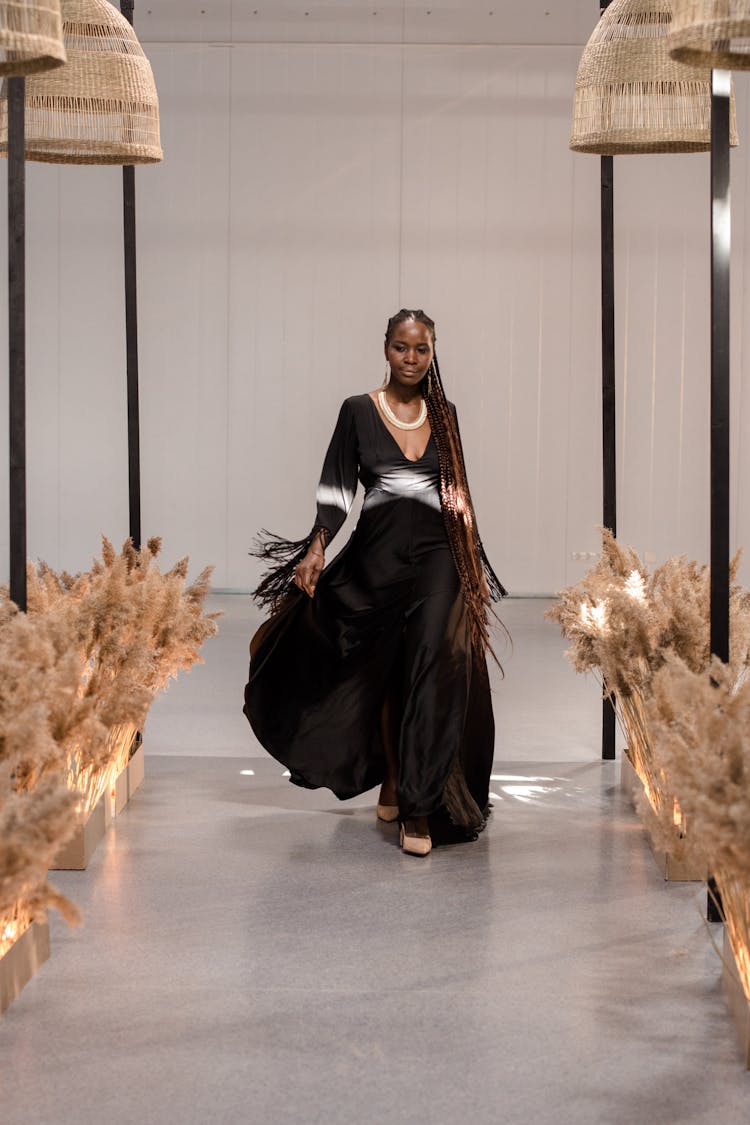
[
  {"x": 247, "y": 773},
  {"x": 635, "y": 586},
  {"x": 91, "y": 783},
  {"x": 645, "y": 782},
  {"x": 735, "y": 900},
  {"x": 677, "y": 816},
  {"x": 12, "y": 927}
]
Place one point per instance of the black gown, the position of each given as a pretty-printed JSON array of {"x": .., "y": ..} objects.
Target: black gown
[{"x": 388, "y": 616}]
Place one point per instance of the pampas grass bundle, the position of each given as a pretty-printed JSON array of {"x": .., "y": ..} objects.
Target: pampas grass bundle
[
  {"x": 77, "y": 675},
  {"x": 133, "y": 628},
  {"x": 624, "y": 624},
  {"x": 38, "y": 812},
  {"x": 700, "y": 722}
]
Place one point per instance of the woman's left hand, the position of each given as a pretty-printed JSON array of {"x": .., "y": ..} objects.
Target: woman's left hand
[{"x": 309, "y": 570}]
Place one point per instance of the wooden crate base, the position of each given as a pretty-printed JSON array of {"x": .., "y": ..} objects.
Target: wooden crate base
[
  {"x": 136, "y": 771},
  {"x": 22, "y": 960},
  {"x": 737, "y": 1001},
  {"x": 122, "y": 795},
  {"x": 77, "y": 853},
  {"x": 677, "y": 866}
]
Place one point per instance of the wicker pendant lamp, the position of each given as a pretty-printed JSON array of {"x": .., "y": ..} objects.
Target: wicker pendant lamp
[
  {"x": 31, "y": 37},
  {"x": 102, "y": 108},
  {"x": 711, "y": 33},
  {"x": 630, "y": 96}
]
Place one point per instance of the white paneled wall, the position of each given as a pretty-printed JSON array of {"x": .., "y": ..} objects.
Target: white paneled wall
[{"x": 309, "y": 191}]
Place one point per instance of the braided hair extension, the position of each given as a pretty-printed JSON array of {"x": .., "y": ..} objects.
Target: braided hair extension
[{"x": 478, "y": 580}]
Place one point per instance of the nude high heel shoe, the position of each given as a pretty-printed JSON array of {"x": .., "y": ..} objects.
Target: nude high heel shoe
[
  {"x": 388, "y": 813},
  {"x": 413, "y": 844}
]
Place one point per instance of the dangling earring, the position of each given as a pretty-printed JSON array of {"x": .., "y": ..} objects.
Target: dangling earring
[
  {"x": 387, "y": 379},
  {"x": 429, "y": 381}
]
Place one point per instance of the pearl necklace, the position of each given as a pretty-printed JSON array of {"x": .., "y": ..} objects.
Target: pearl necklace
[{"x": 421, "y": 417}]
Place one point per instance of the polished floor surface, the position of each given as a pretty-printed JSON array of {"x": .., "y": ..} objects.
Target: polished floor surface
[{"x": 253, "y": 952}]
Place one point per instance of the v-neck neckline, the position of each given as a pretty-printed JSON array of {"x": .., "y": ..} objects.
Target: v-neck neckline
[{"x": 409, "y": 460}]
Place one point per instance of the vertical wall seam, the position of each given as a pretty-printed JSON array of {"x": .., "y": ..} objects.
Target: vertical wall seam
[
  {"x": 402, "y": 160},
  {"x": 683, "y": 357},
  {"x": 652, "y": 445},
  {"x": 228, "y": 306}
]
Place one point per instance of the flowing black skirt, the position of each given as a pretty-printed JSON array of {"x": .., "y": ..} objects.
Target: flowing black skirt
[{"x": 387, "y": 620}]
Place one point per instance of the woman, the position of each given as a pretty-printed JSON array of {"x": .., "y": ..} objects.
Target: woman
[{"x": 373, "y": 669}]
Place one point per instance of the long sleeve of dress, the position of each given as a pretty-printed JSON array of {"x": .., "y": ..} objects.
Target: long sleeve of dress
[
  {"x": 335, "y": 496},
  {"x": 338, "y": 480}
]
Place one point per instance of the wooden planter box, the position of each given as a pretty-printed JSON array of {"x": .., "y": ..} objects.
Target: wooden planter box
[
  {"x": 121, "y": 793},
  {"x": 76, "y": 854},
  {"x": 679, "y": 864},
  {"x": 130, "y": 779},
  {"x": 136, "y": 771},
  {"x": 736, "y": 999},
  {"x": 22, "y": 960}
]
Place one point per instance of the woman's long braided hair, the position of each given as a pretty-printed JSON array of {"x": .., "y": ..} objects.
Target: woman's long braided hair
[{"x": 478, "y": 579}]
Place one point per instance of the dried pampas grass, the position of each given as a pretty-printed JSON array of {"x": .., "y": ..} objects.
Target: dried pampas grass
[
  {"x": 132, "y": 628},
  {"x": 77, "y": 675},
  {"x": 624, "y": 624},
  {"x": 700, "y": 723},
  {"x": 33, "y": 826}
]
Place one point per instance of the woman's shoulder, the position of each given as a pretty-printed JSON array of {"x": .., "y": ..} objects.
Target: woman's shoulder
[{"x": 356, "y": 404}]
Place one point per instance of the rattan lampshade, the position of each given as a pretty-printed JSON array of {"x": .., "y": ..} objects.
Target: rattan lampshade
[
  {"x": 630, "y": 96},
  {"x": 711, "y": 33},
  {"x": 102, "y": 108},
  {"x": 31, "y": 36}
]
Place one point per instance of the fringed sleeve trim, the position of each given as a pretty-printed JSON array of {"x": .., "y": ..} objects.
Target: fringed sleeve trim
[
  {"x": 284, "y": 555},
  {"x": 494, "y": 585}
]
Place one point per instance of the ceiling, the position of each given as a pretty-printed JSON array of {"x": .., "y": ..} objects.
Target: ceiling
[{"x": 366, "y": 21}]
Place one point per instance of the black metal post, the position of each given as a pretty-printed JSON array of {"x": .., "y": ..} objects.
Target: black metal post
[
  {"x": 720, "y": 381},
  {"x": 720, "y": 266},
  {"x": 17, "y": 337},
  {"x": 609, "y": 433},
  {"x": 131, "y": 336}
]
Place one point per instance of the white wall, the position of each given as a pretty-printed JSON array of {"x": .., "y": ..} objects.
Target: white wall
[{"x": 308, "y": 191}]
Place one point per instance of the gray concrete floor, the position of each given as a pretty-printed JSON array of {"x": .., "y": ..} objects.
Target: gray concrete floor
[{"x": 253, "y": 952}]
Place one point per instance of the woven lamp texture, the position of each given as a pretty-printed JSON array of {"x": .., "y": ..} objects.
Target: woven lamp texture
[
  {"x": 102, "y": 108},
  {"x": 631, "y": 97},
  {"x": 31, "y": 37},
  {"x": 706, "y": 33}
]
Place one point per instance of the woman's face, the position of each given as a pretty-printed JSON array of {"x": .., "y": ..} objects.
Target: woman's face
[{"x": 409, "y": 352}]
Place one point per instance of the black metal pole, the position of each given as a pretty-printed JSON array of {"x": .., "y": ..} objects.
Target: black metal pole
[
  {"x": 131, "y": 336},
  {"x": 17, "y": 338},
  {"x": 609, "y": 433},
  {"x": 720, "y": 266},
  {"x": 720, "y": 381},
  {"x": 131, "y": 343}
]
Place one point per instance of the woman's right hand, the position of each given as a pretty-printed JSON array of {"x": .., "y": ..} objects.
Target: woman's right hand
[{"x": 307, "y": 572}]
